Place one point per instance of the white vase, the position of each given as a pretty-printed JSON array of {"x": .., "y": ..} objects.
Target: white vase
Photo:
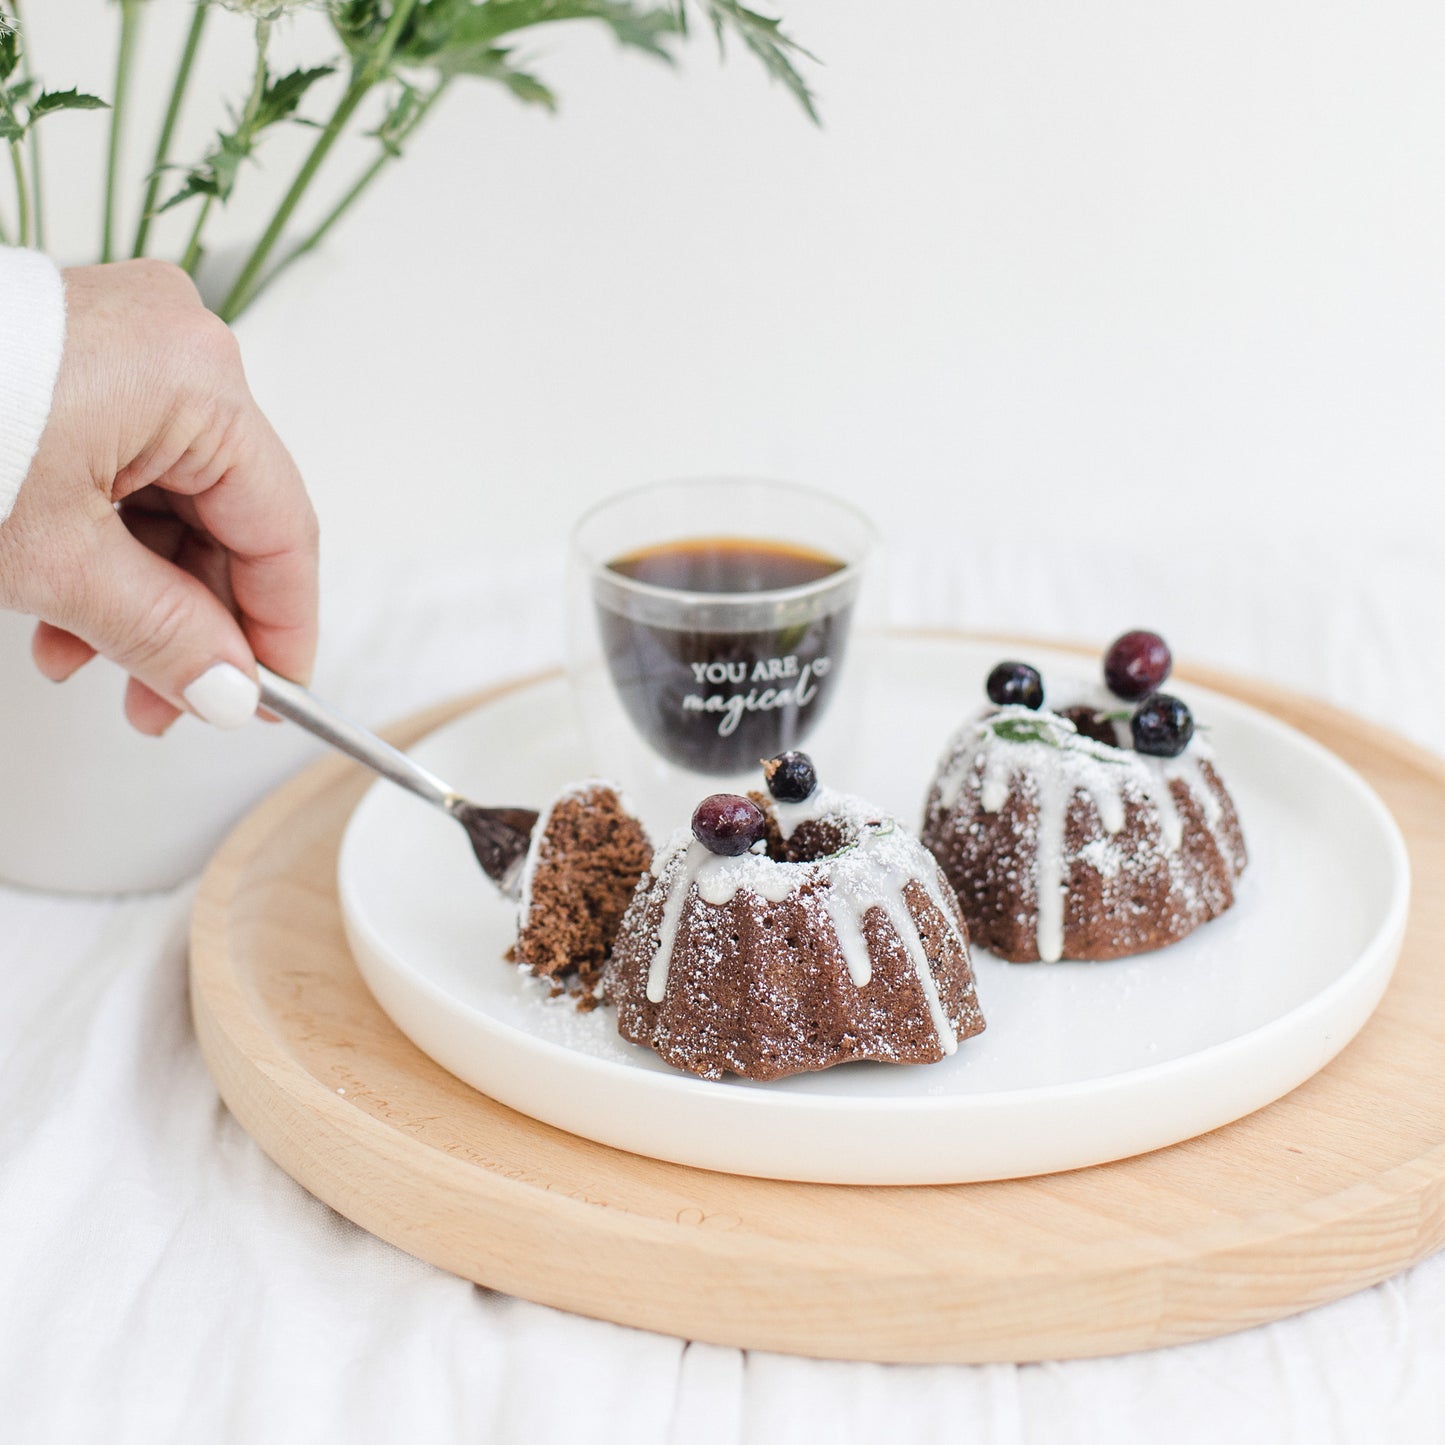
[{"x": 89, "y": 805}]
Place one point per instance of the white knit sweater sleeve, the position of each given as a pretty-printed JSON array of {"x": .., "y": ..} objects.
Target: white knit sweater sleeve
[{"x": 32, "y": 333}]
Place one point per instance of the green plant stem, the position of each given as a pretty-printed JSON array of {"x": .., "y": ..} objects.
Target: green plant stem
[
  {"x": 36, "y": 189},
  {"x": 124, "y": 58},
  {"x": 355, "y": 93},
  {"x": 168, "y": 125},
  {"x": 346, "y": 202},
  {"x": 17, "y": 164},
  {"x": 363, "y": 77},
  {"x": 22, "y": 193},
  {"x": 192, "y": 257},
  {"x": 33, "y": 136}
]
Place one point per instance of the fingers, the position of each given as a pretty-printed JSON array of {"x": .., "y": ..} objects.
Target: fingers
[
  {"x": 260, "y": 513},
  {"x": 146, "y": 711},
  {"x": 59, "y": 654},
  {"x": 168, "y": 630}
]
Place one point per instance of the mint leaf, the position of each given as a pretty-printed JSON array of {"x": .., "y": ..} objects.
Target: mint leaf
[
  {"x": 1025, "y": 730},
  {"x": 1015, "y": 729}
]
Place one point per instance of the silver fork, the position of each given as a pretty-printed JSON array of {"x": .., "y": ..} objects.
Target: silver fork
[{"x": 499, "y": 836}]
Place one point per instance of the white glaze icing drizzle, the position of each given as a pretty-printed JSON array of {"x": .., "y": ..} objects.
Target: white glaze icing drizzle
[
  {"x": 1057, "y": 769},
  {"x": 1049, "y": 880},
  {"x": 1190, "y": 771},
  {"x": 852, "y": 943},
  {"x": 871, "y": 871},
  {"x": 899, "y": 914},
  {"x": 687, "y": 862}
]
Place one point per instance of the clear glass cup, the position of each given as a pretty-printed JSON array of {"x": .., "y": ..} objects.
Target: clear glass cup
[{"x": 683, "y": 648}]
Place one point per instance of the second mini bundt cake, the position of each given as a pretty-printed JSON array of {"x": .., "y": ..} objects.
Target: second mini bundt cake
[{"x": 1090, "y": 832}]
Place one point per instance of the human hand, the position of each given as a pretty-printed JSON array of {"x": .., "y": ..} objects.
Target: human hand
[{"x": 162, "y": 522}]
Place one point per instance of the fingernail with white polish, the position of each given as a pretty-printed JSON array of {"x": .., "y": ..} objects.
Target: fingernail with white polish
[{"x": 223, "y": 696}]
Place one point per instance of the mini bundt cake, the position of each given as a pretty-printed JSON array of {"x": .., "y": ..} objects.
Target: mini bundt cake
[
  {"x": 587, "y": 854},
  {"x": 1090, "y": 832},
  {"x": 776, "y": 937}
]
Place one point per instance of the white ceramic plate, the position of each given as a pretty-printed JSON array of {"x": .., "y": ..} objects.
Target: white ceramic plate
[{"x": 1081, "y": 1063}]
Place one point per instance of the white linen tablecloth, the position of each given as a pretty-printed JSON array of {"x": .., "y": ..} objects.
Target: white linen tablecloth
[{"x": 162, "y": 1280}]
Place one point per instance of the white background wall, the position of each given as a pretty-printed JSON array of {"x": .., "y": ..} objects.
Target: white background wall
[{"x": 1136, "y": 269}]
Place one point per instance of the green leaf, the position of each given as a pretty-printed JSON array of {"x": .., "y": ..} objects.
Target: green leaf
[
  {"x": 528, "y": 88},
  {"x": 216, "y": 174},
  {"x": 49, "y": 101},
  {"x": 1025, "y": 730},
  {"x": 224, "y": 163},
  {"x": 765, "y": 38},
  {"x": 281, "y": 97},
  {"x": 10, "y": 129},
  {"x": 358, "y": 24},
  {"x": 197, "y": 184},
  {"x": 465, "y": 37},
  {"x": 445, "y": 31},
  {"x": 644, "y": 30},
  {"x": 495, "y": 63},
  {"x": 9, "y": 52},
  {"x": 1013, "y": 727},
  {"x": 398, "y": 119}
]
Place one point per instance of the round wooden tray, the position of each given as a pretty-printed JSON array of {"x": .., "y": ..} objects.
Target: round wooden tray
[{"x": 1334, "y": 1187}]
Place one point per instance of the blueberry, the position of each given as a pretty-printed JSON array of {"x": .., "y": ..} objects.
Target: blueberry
[
  {"x": 727, "y": 824},
  {"x": 1162, "y": 726},
  {"x": 1137, "y": 664},
  {"x": 791, "y": 777},
  {"x": 1016, "y": 684}
]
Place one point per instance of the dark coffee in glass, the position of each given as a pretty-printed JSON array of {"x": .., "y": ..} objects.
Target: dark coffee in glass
[
  {"x": 724, "y": 650},
  {"x": 708, "y": 621}
]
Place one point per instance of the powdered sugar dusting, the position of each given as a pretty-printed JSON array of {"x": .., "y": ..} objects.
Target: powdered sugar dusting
[
  {"x": 875, "y": 864},
  {"x": 1042, "y": 760}
]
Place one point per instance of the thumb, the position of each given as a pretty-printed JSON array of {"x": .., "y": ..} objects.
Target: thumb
[{"x": 165, "y": 628}]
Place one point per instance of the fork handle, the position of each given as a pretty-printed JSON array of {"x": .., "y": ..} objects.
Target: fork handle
[{"x": 293, "y": 702}]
